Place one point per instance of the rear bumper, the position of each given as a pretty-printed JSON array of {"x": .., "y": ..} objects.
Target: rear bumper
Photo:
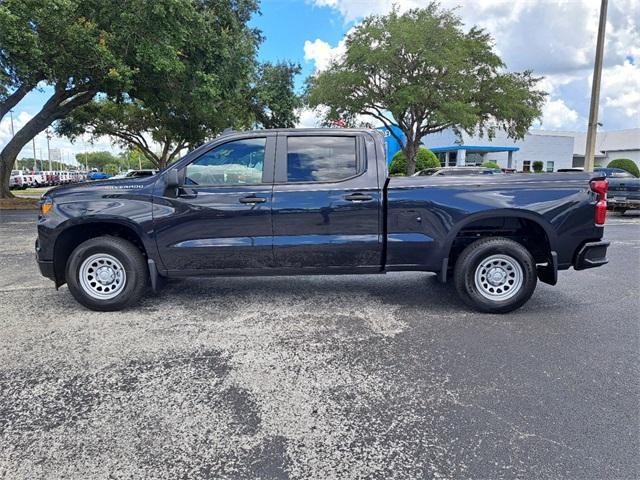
[
  {"x": 592, "y": 254},
  {"x": 622, "y": 202}
]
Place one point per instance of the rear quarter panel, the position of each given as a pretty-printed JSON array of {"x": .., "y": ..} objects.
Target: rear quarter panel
[{"x": 424, "y": 214}]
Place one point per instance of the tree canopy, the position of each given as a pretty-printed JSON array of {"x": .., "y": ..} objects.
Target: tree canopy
[
  {"x": 422, "y": 72},
  {"x": 153, "y": 52},
  {"x": 190, "y": 112},
  {"x": 273, "y": 97}
]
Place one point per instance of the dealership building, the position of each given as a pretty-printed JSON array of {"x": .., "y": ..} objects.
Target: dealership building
[{"x": 555, "y": 149}]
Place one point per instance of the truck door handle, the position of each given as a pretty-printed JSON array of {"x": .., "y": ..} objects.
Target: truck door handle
[
  {"x": 358, "y": 197},
  {"x": 253, "y": 199}
]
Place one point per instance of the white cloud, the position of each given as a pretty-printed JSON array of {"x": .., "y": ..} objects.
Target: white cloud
[
  {"x": 621, "y": 89},
  {"x": 555, "y": 39},
  {"x": 322, "y": 54},
  {"x": 309, "y": 118},
  {"x": 557, "y": 115}
]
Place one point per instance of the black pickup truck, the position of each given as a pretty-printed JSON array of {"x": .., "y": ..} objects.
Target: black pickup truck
[{"x": 318, "y": 201}]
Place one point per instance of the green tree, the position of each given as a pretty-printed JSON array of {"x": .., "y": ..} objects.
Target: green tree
[
  {"x": 191, "y": 111},
  {"x": 85, "y": 47},
  {"x": 422, "y": 72},
  {"x": 97, "y": 160},
  {"x": 273, "y": 99},
  {"x": 424, "y": 159},
  {"x": 625, "y": 164},
  {"x": 538, "y": 166}
]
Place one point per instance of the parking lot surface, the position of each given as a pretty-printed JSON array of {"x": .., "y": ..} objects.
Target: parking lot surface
[{"x": 320, "y": 377}]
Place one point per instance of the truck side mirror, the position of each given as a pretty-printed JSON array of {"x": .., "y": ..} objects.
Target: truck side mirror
[{"x": 172, "y": 179}]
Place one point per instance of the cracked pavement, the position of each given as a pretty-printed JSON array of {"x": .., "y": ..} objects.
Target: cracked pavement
[{"x": 320, "y": 377}]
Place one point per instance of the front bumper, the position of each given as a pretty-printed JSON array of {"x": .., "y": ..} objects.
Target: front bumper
[
  {"x": 592, "y": 254},
  {"x": 46, "y": 266}
]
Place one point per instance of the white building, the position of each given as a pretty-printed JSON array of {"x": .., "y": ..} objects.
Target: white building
[
  {"x": 609, "y": 146},
  {"x": 555, "y": 149}
]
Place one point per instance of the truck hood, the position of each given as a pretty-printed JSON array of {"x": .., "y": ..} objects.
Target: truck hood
[{"x": 102, "y": 187}]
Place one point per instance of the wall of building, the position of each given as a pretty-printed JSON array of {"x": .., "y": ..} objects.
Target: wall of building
[{"x": 555, "y": 151}]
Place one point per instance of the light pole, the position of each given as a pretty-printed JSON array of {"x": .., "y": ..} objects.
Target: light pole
[
  {"x": 48, "y": 134},
  {"x": 13, "y": 134},
  {"x": 35, "y": 156},
  {"x": 592, "y": 127}
]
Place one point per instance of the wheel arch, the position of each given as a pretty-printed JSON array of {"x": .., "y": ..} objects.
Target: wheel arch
[
  {"x": 540, "y": 228},
  {"x": 76, "y": 232}
]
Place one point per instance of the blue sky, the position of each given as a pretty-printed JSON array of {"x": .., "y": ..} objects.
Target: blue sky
[{"x": 556, "y": 39}]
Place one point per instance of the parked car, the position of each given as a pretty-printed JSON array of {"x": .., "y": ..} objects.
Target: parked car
[
  {"x": 136, "y": 173},
  {"x": 98, "y": 176},
  {"x": 318, "y": 201},
  {"x": 624, "y": 189},
  {"x": 457, "y": 171},
  {"x": 25, "y": 177},
  {"x": 16, "y": 180}
]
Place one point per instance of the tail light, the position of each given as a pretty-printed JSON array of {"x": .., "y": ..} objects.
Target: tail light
[{"x": 600, "y": 187}]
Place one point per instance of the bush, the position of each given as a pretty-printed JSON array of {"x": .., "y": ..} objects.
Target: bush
[
  {"x": 491, "y": 165},
  {"x": 538, "y": 166},
  {"x": 424, "y": 159},
  {"x": 625, "y": 164}
]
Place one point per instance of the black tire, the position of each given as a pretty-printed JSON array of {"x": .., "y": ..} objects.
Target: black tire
[
  {"x": 136, "y": 273},
  {"x": 505, "y": 252}
]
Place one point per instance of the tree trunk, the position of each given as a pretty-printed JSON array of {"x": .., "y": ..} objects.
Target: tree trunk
[
  {"x": 13, "y": 99},
  {"x": 12, "y": 149},
  {"x": 60, "y": 104},
  {"x": 410, "y": 150}
]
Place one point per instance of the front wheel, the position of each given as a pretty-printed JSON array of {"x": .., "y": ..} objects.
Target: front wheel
[
  {"x": 495, "y": 275},
  {"x": 106, "y": 273}
]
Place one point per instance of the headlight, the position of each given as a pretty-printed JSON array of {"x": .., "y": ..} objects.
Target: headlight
[{"x": 46, "y": 204}]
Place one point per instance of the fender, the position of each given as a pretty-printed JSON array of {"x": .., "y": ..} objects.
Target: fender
[{"x": 504, "y": 212}]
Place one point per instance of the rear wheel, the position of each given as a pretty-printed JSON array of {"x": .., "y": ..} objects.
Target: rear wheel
[
  {"x": 495, "y": 275},
  {"x": 106, "y": 273}
]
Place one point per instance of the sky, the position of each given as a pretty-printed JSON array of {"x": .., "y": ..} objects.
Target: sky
[{"x": 554, "y": 39}]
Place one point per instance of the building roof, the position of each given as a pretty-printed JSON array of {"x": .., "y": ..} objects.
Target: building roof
[{"x": 475, "y": 148}]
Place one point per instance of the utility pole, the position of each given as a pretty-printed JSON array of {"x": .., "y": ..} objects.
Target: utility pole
[
  {"x": 48, "y": 133},
  {"x": 592, "y": 127}
]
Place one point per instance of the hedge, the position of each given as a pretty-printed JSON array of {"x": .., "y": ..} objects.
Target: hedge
[
  {"x": 625, "y": 164},
  {"x": 424, "y": 159},
  {"x": 491, "y": 165}
]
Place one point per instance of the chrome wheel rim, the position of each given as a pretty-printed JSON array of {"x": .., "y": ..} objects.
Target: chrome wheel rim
[
  {"x": 499, "y": 277},
  {"x": 102, "y": 276}
]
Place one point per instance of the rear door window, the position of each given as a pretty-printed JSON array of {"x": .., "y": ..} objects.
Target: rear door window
[{"x": 321, "y": 159}]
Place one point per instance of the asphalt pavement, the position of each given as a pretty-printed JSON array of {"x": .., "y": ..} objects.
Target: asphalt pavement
[{"x": 344, "y": 377}]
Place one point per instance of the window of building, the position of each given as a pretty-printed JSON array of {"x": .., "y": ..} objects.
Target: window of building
[
  {"x": 235, "y": 163},
  {"x": 321, "y": 159},
  {"x": 526, "y": 166},
  {"x": 550, "y": 166}
]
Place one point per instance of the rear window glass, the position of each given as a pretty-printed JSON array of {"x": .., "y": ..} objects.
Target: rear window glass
[{"x": 321, "y": 159}]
